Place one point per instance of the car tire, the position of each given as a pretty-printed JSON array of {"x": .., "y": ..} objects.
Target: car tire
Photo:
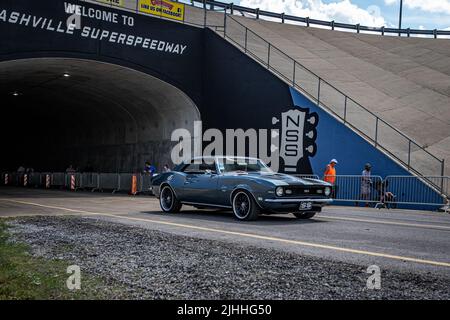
[
  {"x": 304, "y": 215},
  {"x": 244, "y": 206},
  {"x": 168, "y": 201}
]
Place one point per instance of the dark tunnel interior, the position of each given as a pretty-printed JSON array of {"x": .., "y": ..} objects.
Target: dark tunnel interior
[{"x": 57, "y": 112}]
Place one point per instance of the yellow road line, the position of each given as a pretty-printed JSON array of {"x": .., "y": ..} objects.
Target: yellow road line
[
  {"x": 387, "y": 222},
  {"x": 247, "y": 235}
]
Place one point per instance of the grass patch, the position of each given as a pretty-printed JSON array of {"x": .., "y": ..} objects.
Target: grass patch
[{"x": 23, "y": 276}]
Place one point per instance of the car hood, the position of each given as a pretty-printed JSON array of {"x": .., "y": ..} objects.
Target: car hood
[{"x": 280, "y": 179}]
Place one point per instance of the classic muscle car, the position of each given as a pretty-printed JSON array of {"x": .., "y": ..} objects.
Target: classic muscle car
[{"x": 245, "y": 185}]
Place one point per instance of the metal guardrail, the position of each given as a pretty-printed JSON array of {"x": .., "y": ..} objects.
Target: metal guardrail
[
  {"x": 353, "y": 188},
  {"x": 90, "y": 181},
  {"x": 102, "y": 182},
  {"x": 307, "y": 21},
  {"x": 374, "y": 190},
  {"x": 381, "y": 134},
  {"x": 412, "y": 190}
]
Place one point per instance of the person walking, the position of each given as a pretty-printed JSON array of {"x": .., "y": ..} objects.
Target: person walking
[
  {"x": 366, "y": 183},
  {"x": 330, "y": 175}
]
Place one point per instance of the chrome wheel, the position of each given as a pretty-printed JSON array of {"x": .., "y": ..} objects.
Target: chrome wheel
[
  {"x": 166, "y": 199},
  {"x": 241, "y": 205}
]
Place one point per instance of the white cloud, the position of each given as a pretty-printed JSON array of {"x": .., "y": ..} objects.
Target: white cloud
[
  {"x": 433, "y": 6},
  {"x": 340, "y": 10}
]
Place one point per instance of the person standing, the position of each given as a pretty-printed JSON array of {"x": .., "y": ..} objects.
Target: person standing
[
  {"x": 166, "y": 168},
  {"x": 366, "y": 183},
  {"x": 330, "y": 175},
  {"x": 20, "y": 173},
  {"x": 70, "y": 169},
  {"x": 149, "y": 169}
]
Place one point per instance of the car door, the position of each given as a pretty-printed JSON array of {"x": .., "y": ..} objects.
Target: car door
[
  {"x": 200, "y": 185},
  {"x": 225, "y": 186}
]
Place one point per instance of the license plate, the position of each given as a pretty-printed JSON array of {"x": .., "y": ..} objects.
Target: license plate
[{"x": 306, "y": 205}]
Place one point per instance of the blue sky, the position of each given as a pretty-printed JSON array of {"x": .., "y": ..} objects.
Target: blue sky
[{"x": 428, "y": 14}]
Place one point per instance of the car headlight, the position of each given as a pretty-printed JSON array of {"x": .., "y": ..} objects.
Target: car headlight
[
  {"x": 327, "y": 191},
  {"x": 279, "y": 191}
]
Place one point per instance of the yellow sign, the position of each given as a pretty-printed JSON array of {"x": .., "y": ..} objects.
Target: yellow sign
[
  {"x": 113, "y": 2},
  {"x": 163, "y": 8}
]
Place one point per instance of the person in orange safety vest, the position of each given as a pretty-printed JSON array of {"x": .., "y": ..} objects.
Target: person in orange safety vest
[
  {"x": 330, "y": 172},
  {"x": 330, "y": 176}
]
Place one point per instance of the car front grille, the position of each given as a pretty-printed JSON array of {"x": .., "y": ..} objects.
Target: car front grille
[{"x": 304, "y": 191}]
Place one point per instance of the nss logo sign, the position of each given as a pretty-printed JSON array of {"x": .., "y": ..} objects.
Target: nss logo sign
[{"x": 297, "y": 139}]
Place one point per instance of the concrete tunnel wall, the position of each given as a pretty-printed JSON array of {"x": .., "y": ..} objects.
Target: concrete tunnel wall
[{"x": 89, "y": 117}]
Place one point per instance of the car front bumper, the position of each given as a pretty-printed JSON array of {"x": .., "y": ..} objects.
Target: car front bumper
[{"x": 286, "y": 205}]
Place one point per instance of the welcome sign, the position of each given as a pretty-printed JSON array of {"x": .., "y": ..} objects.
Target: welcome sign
[{"x": 163, "y": 8}]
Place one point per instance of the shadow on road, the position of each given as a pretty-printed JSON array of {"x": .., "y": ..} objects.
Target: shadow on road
[{"x": 227, "y": 216}]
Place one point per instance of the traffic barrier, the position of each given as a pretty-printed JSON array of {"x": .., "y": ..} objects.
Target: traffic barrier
[
  {"x": 58, "y": 179},
  {"x": 90, "y": 181},
  {"x": 18, "y": 179},
  {"x": 356, "y": 189},
  {"x": 109, "y": 181},
  {"x": 412, "y": 190},
  {"x": 145, "y": 185},
  {"x": 34, "y": 179},
  {"x": 430, "y": 191},
  {"x": 73, "y": 181},
  {"x": 125, "y": 182}
]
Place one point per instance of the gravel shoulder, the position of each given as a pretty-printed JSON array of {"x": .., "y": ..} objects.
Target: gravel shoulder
[{"x": 150, "y": 264}]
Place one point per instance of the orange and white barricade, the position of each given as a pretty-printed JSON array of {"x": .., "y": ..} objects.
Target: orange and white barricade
[
  {"x": 6, "y": 179},
  {"x": 72, "y": 182},
  {"x": 25, "y": 180},
  {"x": 134, "y": 185},
  {"x": 48, "y": 181}
]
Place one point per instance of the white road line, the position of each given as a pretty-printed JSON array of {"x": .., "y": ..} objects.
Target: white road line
[
  {"x": 247, "y": 235},
  {"x": 387, "y": 222}
]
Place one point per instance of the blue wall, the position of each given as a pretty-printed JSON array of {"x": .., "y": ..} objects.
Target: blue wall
[{"x": 335, "y": 140}]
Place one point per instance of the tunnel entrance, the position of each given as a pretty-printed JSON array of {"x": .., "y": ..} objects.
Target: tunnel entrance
[{"x": 60, "y": 111}]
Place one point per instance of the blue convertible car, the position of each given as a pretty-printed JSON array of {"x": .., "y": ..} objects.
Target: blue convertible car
[{"x": 245, "y": 185}]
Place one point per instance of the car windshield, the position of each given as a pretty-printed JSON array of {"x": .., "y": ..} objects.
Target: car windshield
[{"x": 230, "y": 164}]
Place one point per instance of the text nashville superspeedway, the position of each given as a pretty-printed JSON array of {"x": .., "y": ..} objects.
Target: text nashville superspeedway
[{"x": 37, "y": 22}]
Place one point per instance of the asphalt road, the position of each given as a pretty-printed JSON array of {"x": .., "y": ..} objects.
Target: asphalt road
[{"x": 398, "y": 240}]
